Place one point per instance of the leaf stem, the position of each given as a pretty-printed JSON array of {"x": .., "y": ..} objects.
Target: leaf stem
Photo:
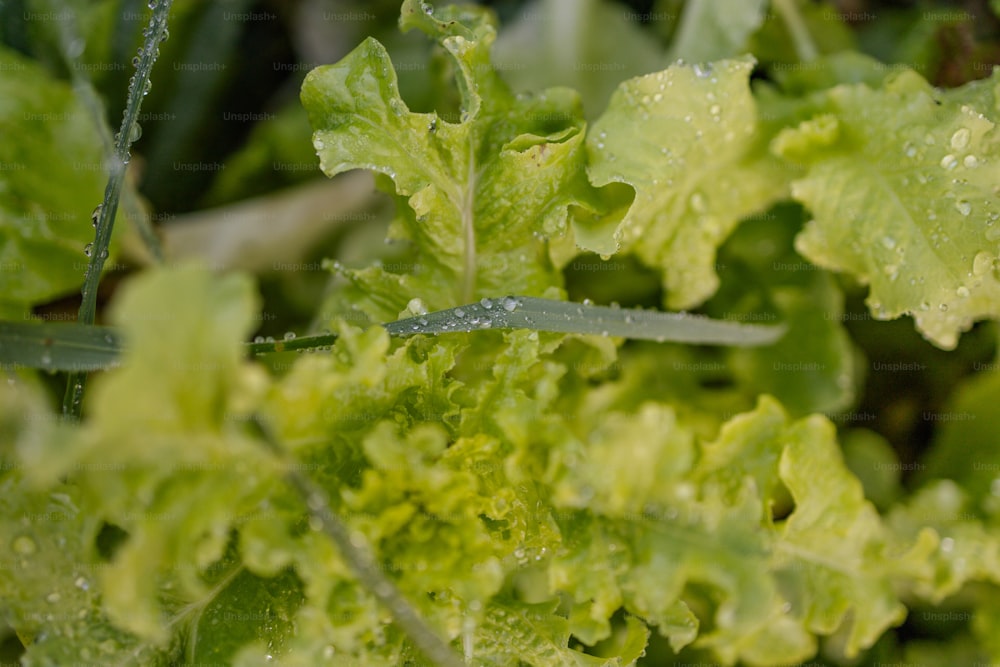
[
  {"x": 155, "y": 33},
  {"x": 355, "y": 550}
]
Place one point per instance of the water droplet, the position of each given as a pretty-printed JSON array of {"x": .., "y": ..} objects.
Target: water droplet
[
  {"x": 960, "y": 139},
  {"x": 703, "y": 70},
  {"x": 888, "y": 242},
  {"x": 949, "y": 161},
  {"x": 95, "y": 217},
  {"x": 486, "y": 323},
  {"x": 586, "y": 302},
  {"x": 982, "y": 263},
  {"x": 962, "y": 292},
  {"x": 135, "y": 134},
  {"x": 24, "y": 545},
  {"x": 486, "y": 303},
  {"x": 947, "y": 544},
  {"x": 909, "y": 149},
  {"x": 417, "y": 306},
  {"x": 509, "y": 304},
  {"x": 715, "y": 109},
  {"x": 88, "y": 249},
  {"x": 53, "y": 598},
  {"x": 165, "y": 36},
  {"x": 943, "y": 307},
  {"x": 258, "y": 339},
  {"x": 135, "y": 61},
  {"x": 971, "y": 161},
  {"x": 963, "y": 207},
  {"x": 428, "y": 9},
  {"x": 289, "y": 335}
]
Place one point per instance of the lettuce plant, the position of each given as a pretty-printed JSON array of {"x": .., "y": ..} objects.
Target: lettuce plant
[{"x": 488, "y": 473}]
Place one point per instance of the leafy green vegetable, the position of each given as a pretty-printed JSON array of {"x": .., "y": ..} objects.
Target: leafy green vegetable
[
  {"x": 480, "y": 192},
  {"x": 526, "y": 480},
  {"x": 687, "y": 140},
  {"x": 904, "y": 200}
]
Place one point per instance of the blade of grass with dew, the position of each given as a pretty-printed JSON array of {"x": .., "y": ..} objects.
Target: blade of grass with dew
[
  {"x": 58, "y": 346},
  {"x": 75, "y": 347},
  {"x": 105, "y": 213},
  {"x": 517, "y": 312}
]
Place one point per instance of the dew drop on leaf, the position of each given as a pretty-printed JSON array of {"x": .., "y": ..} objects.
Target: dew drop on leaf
[
  {"x": 960, "y": 139},
  {"x": 963, "y": 207},
  {"x": 982, "y": 263},
  {"x": 509, "y": 304},
  {"x": 703, "y": 70},
  {"x": 88, "y": 249},
  {"x": 971, "y": 161},
  {"x": 96, "y": 215},
  {"x": 289, "y": 335},
  {"x": 459, "y": 313},
  {"x": 417, "y": 306},
  {"x": 486, "y": 303},
  {"x": 962, "y": 292}
]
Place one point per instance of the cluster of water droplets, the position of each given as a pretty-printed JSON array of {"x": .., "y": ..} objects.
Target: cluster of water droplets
[{"x": 486, "y": 314}]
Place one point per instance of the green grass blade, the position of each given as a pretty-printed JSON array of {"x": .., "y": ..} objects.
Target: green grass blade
[
  {"x": 77, "y": 347},
  {"x": 58, "y": 346},
  {"x": 517, "y": 312}
]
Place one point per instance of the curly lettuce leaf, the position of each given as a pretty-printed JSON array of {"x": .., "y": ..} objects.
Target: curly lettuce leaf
[
  {"x": 901, "y": 182},
  {"x": 50, "y": 560},
  {"x": 688, "y": 141},
  {"x": 191, "y": 472},
  {"x": 480, "y": 192},
  {"x": 701, "y": 548}
]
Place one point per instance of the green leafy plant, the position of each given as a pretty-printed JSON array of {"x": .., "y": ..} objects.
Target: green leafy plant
[{"x": 471, "y": 467}]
